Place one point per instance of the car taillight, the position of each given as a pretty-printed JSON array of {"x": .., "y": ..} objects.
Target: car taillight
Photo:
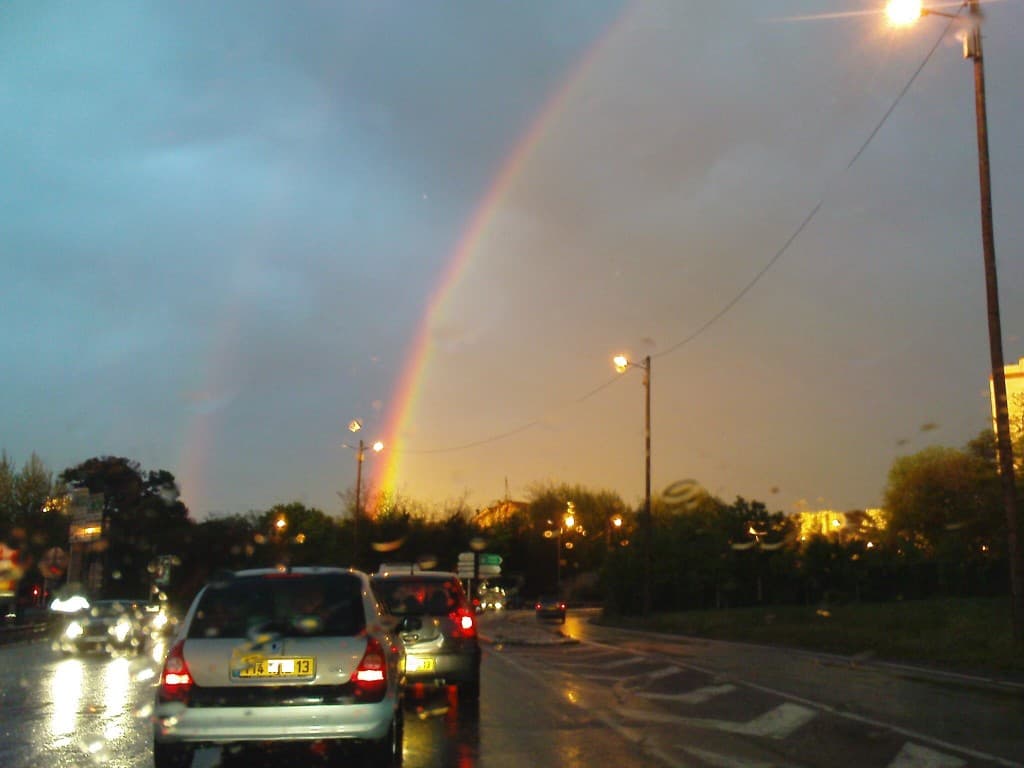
[
  {"x": 370, "y": 677},
  {"x": 537, "y": 607},
  {"x": 176, "y": 680},
  {"x": 465, "y": 624}
]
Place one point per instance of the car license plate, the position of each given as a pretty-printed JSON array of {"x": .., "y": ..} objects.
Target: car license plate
[
  {"x": 418, "y": 664},
  {"x": 299, "y": 666}
]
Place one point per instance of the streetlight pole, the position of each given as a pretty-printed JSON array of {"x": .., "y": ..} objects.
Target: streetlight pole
[
  {"x": 972, "y": 50},
  {"x": 648, "y": 523},
  {"x": 905, "y": 13},
  {"x": 621, "y": 364},
  {"x": 354, "y": 426},
  {"x": 615, "y": 521},
  {"x": 558, "y": 562},
  {"x": 568, "y": 520},
  {"x": 358, "y": 509}
]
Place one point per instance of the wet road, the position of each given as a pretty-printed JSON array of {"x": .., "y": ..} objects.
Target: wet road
[
  {"x": 75, "y": 712},
  {"x": 607, "y": 699}
]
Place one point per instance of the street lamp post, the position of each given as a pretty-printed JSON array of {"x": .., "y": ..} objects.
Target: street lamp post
[
  {"x": 568, "y": 521},
  {"x": 622, "y": 363},
  {"x": 904, "y": 12},
  {"x": 615, "y": 521},
  {"x": 376, "y": 447}
]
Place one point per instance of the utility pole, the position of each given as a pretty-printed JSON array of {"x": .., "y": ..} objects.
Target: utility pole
[{"x": 973, "y": 50}]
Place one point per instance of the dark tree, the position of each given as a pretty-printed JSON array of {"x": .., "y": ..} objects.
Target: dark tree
[{"x": 143, "y": 517}]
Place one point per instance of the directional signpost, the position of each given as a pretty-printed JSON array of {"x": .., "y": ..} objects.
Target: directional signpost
[
  {"x": 478, "y": 565},
  {"x": 467, "y": 561},
  {"x": 489, "y": 565}
]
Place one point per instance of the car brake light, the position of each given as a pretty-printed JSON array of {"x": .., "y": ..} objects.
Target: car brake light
[
  {"x": 465, "y": 624},
  {"x": 370, "y": 677},
  {"x": 176, "y": 680}
]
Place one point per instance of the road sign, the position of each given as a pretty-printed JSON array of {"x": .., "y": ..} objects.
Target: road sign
[
  {"x": 486, "y": 558},
  {"x": 466, "y": 557},
  {"x": 489, "y": 570}
]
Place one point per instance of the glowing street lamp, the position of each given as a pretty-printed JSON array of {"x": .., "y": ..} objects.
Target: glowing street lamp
[
  {"x": 622, "y": 364},
  {"x": 905, "y": 11}
]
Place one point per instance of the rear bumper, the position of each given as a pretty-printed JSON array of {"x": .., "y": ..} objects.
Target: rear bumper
[
  {"x": 176, "y": 723},
  {"x": 448, "y": 668}
]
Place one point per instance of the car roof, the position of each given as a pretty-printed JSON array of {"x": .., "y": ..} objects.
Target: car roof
[
  {"x": 301, "y": 570},
  {"x": 415, "y": 575}
]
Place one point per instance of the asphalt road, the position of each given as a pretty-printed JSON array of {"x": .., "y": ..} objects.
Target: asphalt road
[
  {"x": 73, "y": 712},
  {"x": 697, "y": 702},
  {"x": 567, "y": 697}
]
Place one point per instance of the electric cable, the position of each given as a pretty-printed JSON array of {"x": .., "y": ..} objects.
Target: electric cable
[{"x": 743, "y": 291}]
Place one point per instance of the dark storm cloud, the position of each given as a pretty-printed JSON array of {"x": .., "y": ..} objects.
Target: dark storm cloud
[{"x": 233, "y": 209}]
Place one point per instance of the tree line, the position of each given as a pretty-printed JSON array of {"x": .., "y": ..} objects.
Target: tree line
[{"x": 941, "y": 532}]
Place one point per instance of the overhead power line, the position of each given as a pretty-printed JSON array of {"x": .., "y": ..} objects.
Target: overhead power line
[{"x": 741, "y": 294}]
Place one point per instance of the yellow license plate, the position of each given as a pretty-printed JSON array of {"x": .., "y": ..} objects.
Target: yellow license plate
[
  {"x": 418, "y": 664},
  {"x": 299, "y": 666}
]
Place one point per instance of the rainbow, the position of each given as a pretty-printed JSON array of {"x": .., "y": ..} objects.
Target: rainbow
[{"x": 385, "y": 478}]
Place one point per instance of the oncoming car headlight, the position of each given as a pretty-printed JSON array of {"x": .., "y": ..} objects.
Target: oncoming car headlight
[
  {"x": 122, "y": 629},
  {"x": 74, "y": 630},
  {"x": 72, "y": 604}
]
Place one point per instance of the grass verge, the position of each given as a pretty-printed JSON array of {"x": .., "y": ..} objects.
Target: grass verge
[{"x": 971, "y": 635}]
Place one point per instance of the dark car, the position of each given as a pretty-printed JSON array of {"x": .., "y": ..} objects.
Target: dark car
[
  {"x": 108, "y": 626},
  {"x": 437, "y": 625},
  {"x": 550, "y": 607}
]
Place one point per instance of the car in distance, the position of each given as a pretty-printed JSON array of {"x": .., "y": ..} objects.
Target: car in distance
[
  {"x": 282, "y": 655},
  {"x": 550, "y": 607},
  {"x": 108, "y": 626},
  {"x": 437, "y": 625}
]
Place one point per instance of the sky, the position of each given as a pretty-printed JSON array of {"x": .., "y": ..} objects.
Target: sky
[{"x": 229, "y": 229}]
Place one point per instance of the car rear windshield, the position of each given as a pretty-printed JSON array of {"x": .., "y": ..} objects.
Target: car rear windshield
[
  {"x": 412, "y": 596},
  {"x": 286, "y": 604}
]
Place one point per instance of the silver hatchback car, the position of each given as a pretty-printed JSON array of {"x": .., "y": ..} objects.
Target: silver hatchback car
[
  {"x": 297, "y": 654},
  {"x": 437, "y": 626}
]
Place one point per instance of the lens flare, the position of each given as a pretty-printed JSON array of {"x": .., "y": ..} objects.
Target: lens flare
[{"x": 903, "y": 13}]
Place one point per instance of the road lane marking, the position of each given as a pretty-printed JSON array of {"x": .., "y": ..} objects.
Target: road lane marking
[
  {"x": 625, "y": 662},
  {"x": 696, "y": 696},
  {"x": 916, "y": 756},
  {"x": 601, "y": 678},
  {"x": 778, "y": 723},
  {"x": 729, "y": 761},
  {"x": 873, "y": 722},
  {"x": 666, "y": 672},
  {"x": 645, "y": 743}
]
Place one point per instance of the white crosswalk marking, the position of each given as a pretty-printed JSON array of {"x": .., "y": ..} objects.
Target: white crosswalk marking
[
  {"x": 916, "y": 756},
  {"x": 777, "y": 723},
  {"x": 666, "y": 672},
  {"x": 728, "y": 761},
  {"x": 624, "y": 662},
  {"x": 697, "y": 696}
]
